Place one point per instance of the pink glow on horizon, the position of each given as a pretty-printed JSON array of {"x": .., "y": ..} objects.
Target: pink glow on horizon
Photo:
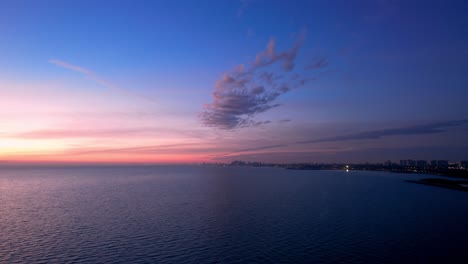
[{"x": 54, "y": 121}]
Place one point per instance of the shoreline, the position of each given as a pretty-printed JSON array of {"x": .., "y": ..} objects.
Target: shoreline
[{"x": 443, "y": 183}]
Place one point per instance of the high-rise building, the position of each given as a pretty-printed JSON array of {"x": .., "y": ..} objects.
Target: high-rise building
[
  {"x": 411, "y": 163},
  {"x": 433, "y": 163},
  {"x": 403, "y": 163},
  {"x": 422, "y": 163},
  {"x": 442, "y": 164},
  {"x": 464, "y": 164}
]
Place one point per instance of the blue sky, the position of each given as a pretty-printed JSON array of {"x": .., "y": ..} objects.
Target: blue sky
[{"x": 152, "y": 66}]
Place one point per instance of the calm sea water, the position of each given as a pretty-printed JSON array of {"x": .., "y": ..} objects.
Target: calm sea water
[{"x": 204, "y": 214}]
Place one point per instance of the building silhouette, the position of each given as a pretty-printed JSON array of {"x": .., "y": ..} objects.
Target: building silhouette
[
  {"x": 421, "y": 163},
  {"x": 442, "y": 164}
]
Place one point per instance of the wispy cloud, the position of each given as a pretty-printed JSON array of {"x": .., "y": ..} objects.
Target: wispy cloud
[
  {"x": 71, "y": 67},
  {"x": 236, "y": 152},
  {"x": 261, "y": 148},
  {"x": 84, "y": 133},
  {"x": 317, "y": 63},
  {"x": 424, "y": 129},
  {"x": 242, "y": 93},
  {"x": 432, "y": 128},
  {"x": 94, "y": 77},
  {"x": 287, "y": 57},
  {"x": 137, "y": 149}
]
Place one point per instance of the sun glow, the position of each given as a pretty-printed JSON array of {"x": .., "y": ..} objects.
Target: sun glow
[{"x": 22, "y": 146}]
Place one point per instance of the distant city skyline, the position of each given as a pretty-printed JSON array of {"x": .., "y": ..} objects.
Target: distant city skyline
[{"x": 216, "y": 81}]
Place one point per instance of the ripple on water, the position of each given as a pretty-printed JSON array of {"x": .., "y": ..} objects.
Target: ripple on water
[{"x": 225, "y": 215}]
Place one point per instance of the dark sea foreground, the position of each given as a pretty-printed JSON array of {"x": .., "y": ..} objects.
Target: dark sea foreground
[{"x": 207, "y": 214}]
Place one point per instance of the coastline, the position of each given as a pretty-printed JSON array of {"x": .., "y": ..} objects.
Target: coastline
[{"x": 443, "y": 183}]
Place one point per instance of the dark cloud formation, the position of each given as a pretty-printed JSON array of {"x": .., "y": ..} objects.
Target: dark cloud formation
[
  {"x": 252, "y": 123},
  {"x": 261, "y": 148},
  {"x": 432, "y": 128},
  {"x": 262, "y": 123},
  {"x": 250, "y": 149},
  {"x": 353, "y": 156},
  {"x": 234, "y": 104},
  {"x": 243, "y": 93}
]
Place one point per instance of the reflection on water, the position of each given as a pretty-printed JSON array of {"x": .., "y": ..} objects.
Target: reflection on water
[{"x": 206, "y": 214}]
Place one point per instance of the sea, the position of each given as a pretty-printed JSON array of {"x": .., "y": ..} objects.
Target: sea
[{"x": 215, "y": 214}]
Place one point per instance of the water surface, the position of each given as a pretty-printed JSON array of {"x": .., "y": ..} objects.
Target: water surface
[{"x": 207, "y": 214}]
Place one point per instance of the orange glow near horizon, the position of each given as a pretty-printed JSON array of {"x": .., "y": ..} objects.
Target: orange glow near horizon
[
  {"x": 78, "y": 121},
  {"x": 174, "y": 159},
  {"x": 26, "y": 150}
]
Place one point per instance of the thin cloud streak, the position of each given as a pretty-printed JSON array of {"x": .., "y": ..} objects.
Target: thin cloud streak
[
  {"x": 261, "y": 148},
  {"x": 92, "y": 76},
  {"x": 71, "y": 67},
  {"x": 87, "y": 151},
  {"x": 433, "y": 128},
  {"x": 81, "y": 133}
]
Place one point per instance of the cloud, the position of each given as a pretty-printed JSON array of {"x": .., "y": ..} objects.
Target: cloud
[
  {"x": 317, "y": 63},
  {"x": 352, "y": 156},
  {"x": 243, "y": 93},
  {"x": 233, "y": 107},
  {"x": 261, "y": 123},
  {"x": 142, "y": 149},
  {"x": 260, "y": 148},
  {"x": 84, "y": 133},
  {"x": 285, "y": 120},
  {"x": 287, "y": 58},
  {"x": 71, "y": 67},
  {"x": 92, "y": 76},
  {"x": 433, "y": 128},
  {"x": 231, "y": 153}
]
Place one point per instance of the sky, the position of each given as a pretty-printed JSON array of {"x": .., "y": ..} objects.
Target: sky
[{"x": 216, "y": 81}]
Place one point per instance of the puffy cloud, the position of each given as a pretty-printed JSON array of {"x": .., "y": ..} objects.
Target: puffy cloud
[
  {"x": 234, "y": 104},
  {"x": 243, "y": 93}
]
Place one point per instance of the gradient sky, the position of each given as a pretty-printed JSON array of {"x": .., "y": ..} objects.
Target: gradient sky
[{"x": 204, "y": 81}]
